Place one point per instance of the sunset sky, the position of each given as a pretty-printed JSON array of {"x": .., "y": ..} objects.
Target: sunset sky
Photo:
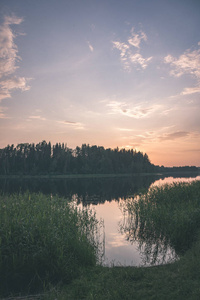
[{"x": 102, "y": 72}]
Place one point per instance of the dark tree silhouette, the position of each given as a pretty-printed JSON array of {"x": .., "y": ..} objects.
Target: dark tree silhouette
[{"x": 43, "y": 158}]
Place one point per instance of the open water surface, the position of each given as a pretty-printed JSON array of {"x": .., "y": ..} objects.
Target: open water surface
[
  {"x": 119, "y": 250},
  {"x": 106, "y": 197}
]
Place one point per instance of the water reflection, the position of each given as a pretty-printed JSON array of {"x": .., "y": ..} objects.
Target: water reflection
[
  {"x": 164, "y": 223},
  {"x": 138, "y": 226},
  {"x": 171, "y": 179},
  {"x": 86, "y": 190},
  {"x": 125, "y": 244}
]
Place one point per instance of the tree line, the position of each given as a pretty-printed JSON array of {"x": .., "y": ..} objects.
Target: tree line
[{"x": 43, "y": 158}]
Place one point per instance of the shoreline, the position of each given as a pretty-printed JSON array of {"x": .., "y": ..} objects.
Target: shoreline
[{"x": 80, "y": 176}]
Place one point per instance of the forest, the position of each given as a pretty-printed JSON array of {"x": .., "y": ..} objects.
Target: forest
[{"x": 44, "y": 158}]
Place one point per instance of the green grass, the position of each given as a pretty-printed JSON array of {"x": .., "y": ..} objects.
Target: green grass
[
  {"x": 179, "y": 280},
  {"x": 172, "y": 209},
  {"x": 166, "y": 216},
  {"x": 175, "y": 281},
  {"x": 43, "y": 240}
]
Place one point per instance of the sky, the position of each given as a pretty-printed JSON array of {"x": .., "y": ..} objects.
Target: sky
[{"x": 110, "y": 73}]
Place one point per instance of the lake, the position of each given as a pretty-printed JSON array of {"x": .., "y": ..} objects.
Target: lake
[{"x": 106, "y": 196}]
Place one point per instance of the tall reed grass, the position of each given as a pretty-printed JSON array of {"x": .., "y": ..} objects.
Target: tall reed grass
[
  {"x": 43, "y": 240},
  {"x": 166, "y": 217}
]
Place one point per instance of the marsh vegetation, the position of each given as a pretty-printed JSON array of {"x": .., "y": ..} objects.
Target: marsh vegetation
[
  {"x": 44, "y": 240},
  {"x": 49, "y": 247},
  {"x": 164, "y": 218}
]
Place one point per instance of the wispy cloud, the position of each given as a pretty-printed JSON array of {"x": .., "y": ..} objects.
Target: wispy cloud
[
  {"x": 130, "y": 51},
  {"x": 174, "y": 135},
  {"x": 15, "y": 83},
  {"x": 124, "y": 54},
  {"x": 136, "y": 38},
  {"x": 90, "y": 47},
  {"x": 162, "y": 134},
  {"x": 2, "y": 114},
  {"x": 9, "y": 58},
  {"x": 37, "y": 117},
  {"x": 192, "y": 90},
  {"x": 137, "y": 112},
  {"x": 157, "y": 137},
  {"x": 11, "y": 20},
  {"x": 138, "y": 59},
  {"x": 74, "y": 125},
  {"x": 187, "y": 63}
]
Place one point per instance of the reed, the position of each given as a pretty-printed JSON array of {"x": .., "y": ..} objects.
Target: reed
[
  {"x": 43, "y": 240},
  {"x": 164, "y": 217},
  {"x": 172, "y": 209}
]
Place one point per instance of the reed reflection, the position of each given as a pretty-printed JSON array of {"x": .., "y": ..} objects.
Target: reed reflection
[{"x": 163, "y": 221}]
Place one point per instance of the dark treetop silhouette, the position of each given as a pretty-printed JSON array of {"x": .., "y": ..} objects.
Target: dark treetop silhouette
[{"x": 43, "y": 158}]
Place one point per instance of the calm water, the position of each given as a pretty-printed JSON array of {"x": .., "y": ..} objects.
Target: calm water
[
  {"x": 106, "y": 197},
  {"x": 120, "y": 251}
]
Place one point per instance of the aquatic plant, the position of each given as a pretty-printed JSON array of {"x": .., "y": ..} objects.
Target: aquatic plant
[
  {"x": 44, "y": 239},
  {"x": 164, "y": 218}
]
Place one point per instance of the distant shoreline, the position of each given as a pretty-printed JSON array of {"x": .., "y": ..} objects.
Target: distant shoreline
[{"x": 80, "y": 176}]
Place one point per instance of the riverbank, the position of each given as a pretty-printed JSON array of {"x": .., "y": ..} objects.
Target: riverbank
[
  {"x": 180, "y": 280},
  {"x": 176, "y": 205},
  {"x": 77, "y": 176},
  {"x": 177, "y": 281},
  {"x": 172, "y": 213}
]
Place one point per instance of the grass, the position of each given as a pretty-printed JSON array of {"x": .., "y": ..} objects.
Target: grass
[
  {"x": 178, "y": 280},
  {"x": 166, "y": 216},
  {"x": 43, "y": 240},
  {"x": 175, "y": 281},
  {"x": 172, "y": 209}
]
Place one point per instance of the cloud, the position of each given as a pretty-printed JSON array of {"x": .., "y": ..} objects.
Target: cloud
[
  {"x": 187, "y": 63},
  {"x": 137, "y": 112},
  {"x": 4, "y": 94},
  {"x": 136, "y": 38},
  {"x": 166, "y": 136},
  {"x": 14, "y": 83},
  {"x": 2, "y": 115},
  {"x": 157, "y": 136},
  {"x": 11, "y": 20},
  {"x": 174, "y": 135},
  {"x": 37, "y": 118},
  {"x": 75, "y": 125},
  {"x": 124, "y": 54},
  {"x": 70, "y": 123},
  {"x": 123, "y": 48},
  {"x": 9, "y": 58},
  {"x": 138, "y": 59},
  {"x": 90, "y": 47},
  {"x": 192, "y": 90},
  {"x": 125, "y": 129},
  {"x": 191, "y": 150},
  {"x": 129, "y": 55},
  {"x": 8, "y": 49}
]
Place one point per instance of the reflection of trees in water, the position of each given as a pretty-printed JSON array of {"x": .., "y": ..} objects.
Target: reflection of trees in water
[
  {"x": 87, "y": 190},
  {"x": 166, "y": 218}
]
